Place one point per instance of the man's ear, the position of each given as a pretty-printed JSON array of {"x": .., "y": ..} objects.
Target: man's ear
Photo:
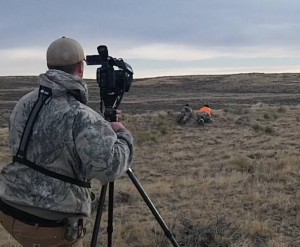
[{"x": 80, "y": 69}]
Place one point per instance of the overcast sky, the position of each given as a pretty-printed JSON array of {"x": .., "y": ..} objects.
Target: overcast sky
[{"x": 157, "y": 37}]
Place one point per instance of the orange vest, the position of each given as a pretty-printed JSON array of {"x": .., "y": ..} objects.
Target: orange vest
[{"x": 206, "y": 110}]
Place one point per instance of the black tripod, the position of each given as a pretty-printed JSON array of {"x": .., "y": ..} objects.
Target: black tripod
[{"x": 137, "y": 184}]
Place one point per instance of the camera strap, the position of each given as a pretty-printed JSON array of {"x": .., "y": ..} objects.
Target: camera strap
[{"x": 44, "y": 94}]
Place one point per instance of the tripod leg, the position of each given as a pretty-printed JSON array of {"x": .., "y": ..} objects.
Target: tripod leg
[
  {"x": 151, "y": 206},
  {"x": 110, "y": 214},
  {"x": 98, "y": 216}
]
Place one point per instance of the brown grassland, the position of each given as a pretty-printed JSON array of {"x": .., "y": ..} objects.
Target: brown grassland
[{"x": 234, "y": 183}]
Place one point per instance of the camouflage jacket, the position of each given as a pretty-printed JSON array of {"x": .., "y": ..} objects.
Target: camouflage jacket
[{"x": 68, "y": 138}]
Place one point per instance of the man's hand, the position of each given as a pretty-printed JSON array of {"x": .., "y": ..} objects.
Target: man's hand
[
  {"x": 118, "y": 115},
  {"x": 118, "y": 126}
]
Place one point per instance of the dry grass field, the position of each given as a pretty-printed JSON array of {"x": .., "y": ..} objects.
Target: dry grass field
[{"x": 233, "y": 183}]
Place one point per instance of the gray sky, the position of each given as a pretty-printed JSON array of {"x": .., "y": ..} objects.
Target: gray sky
[{"x": 157, "y": 37}]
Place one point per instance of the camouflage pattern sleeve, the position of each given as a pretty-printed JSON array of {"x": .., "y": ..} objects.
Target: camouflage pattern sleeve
[{"x": 106, "y": 154}]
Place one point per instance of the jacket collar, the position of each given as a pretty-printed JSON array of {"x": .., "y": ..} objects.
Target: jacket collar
[{"x": 62, "y": 83}]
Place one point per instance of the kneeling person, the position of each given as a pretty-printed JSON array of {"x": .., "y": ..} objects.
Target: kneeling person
[{"x": 204, "y": 115}]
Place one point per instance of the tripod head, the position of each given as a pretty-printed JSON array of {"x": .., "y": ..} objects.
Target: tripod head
[{"x": 113, "y": 83}]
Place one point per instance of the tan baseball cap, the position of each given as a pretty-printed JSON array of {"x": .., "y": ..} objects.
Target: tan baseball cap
[{"x": 64, "y": 51}]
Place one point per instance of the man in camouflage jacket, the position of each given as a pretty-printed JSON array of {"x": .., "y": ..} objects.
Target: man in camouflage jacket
[{"x": 68, "y": 138}]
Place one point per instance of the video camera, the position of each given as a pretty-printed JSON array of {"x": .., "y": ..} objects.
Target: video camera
[{"x": 113, "y": 82}]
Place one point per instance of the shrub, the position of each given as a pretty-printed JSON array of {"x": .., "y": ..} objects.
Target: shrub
[
  {"x": 281, "y": 109},
  {"x": 148, "y": 136},
  {"x": 164, "y": 127},
  {"x": 271, "y": 115},
  {"x": 269, "y": 130},
  {"x": 243, "y": 164},
  {"x": 266, "y": 116},
  {"x": 257, "y": 127}
]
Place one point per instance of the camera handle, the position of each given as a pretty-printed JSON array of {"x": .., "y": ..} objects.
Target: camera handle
[{"x": 145, "y": 197}]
